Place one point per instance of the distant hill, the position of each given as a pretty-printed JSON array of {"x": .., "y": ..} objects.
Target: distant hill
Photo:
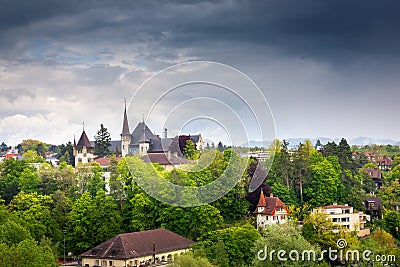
[{"x": 359, "y": 141}]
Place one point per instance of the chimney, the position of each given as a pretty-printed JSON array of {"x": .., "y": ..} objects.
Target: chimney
[
  {"x": 271, "y": 195},
  {"x": 154, "y": 252},
  {"x": 165, "y": 133}
]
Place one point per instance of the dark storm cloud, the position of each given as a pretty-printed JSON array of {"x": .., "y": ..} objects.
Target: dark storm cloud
[
  {"x": 339, "y": 53},
  {"x": 304, "y": 28}
]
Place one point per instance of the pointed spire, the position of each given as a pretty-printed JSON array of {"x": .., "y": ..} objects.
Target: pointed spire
[
  {"x": 125, "y": 125},
  {"x": 83, "y": 126},
  {"x": 74, "y": 141},
  {"x": 262, "y": 202},
  {"x": 84, "y": 141}
]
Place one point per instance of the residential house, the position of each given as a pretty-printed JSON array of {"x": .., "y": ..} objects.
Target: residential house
[
  {"x": 346, "y": 217},
  {"x": 374, "y": 207},
  {"x": 137, "y": 249},
  {"x": 270, "y": 210},
  {"x": 12, "y": 153},
  {"x": 376, "y": 176},
  {"x": 384, "y": 163}
]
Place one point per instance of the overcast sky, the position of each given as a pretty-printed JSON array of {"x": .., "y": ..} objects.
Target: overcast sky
[{"x": 327, "y": 68}]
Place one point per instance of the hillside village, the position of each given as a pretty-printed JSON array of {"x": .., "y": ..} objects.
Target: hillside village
[{"x": 79, "y": 203}]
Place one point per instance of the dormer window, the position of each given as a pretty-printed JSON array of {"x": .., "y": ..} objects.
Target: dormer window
[{"x": 260, "y": 209}]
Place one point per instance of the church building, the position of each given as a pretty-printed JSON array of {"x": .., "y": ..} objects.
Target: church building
[{"x": 143, "y": 141}]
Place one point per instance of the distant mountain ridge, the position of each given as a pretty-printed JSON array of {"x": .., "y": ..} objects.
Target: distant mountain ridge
[{"x": 358, "y": 141}]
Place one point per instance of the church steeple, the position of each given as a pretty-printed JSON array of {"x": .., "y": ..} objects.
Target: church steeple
[
  {"x": 125, "y": 125},
  {"x": 125, "y": 135}
]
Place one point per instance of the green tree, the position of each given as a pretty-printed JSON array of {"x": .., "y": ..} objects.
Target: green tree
[
  {"x": 29, "y": 180},
  {"x": 90, "y": 177},
  {"x": 102, "y": 142},
  {"x": 66, "y": 153},
  {"x": 35, "y": 210},
  {"x": 3, "y": 147},
  {"x": 189, "y": 260},
  {"x": 190, "y": 222},
  {"x": 10, "y": 171},
  {"x": 189, "y": 151},
  {"x": 282, "y": 237},
  {"x": 220, "y": 146},
  {"x": 26, "y": 253},
  {"x": 35, "y": 145},
  {"x": 391, "y": 223},
  {"x": 237, "y": 241},
  {"x": 31, "y": 156},
  {"x": 323, "y": 188},
  {"x": 92, "y": 221},
  {"x": 318, "y": 230}
]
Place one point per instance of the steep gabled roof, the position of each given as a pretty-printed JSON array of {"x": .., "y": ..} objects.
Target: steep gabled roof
[
  {"x": 262, "y": 202},
  {"x": 160, "y": 145},
  {"x": 269, "y": 204},
  {"x": 373, "y": 172},
  {"x": 195, "y": 138},
  {"x": 377, "y": 203},
  {"x": 141, "y": 133},
  {"x": 84, "y": 141},
  {"x": 139, "y": 244}
]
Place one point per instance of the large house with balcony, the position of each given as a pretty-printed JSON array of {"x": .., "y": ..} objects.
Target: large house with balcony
[
  {"x": 270, "y": 210},
  {"x": 345, "y": 216}
]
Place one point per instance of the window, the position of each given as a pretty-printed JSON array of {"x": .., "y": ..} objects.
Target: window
[
  {"x": 111, "y": 263},
  {"x": 345, "y": 219},
  {"x": 96, "y": 262},
  {"x": 103, "y": 263}
]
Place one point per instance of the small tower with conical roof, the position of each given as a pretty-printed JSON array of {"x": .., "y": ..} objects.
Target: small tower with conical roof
[
  {"x": 83, "y": 150},
  {"x": 125, "y": 135}
]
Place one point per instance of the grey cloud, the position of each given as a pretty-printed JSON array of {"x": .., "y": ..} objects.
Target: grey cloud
[{"x": 13, "y": 94}]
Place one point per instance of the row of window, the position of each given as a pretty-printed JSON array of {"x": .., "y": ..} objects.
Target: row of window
[
  {"x": 275, "y": 218},
  {"x": 344, "y": 219},
  {"x": 103, "y": 263}
]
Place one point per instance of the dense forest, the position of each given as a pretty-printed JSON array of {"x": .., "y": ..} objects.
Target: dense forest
[{"x": 40, "y": 207}]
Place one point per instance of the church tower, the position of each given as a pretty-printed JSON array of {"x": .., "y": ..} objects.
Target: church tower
[
  {"x": 125, "y": 135},
  {"x": 83, "y": 150}
]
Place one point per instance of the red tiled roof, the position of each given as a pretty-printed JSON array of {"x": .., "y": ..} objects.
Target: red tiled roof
[
  {"x": 373, "y": 172},
  {"x": 164, "y": 159},
  {"x": 270, "y": 204},
  {"x": 104, "y": 161},
  {"x": 139, "y": 244}
]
